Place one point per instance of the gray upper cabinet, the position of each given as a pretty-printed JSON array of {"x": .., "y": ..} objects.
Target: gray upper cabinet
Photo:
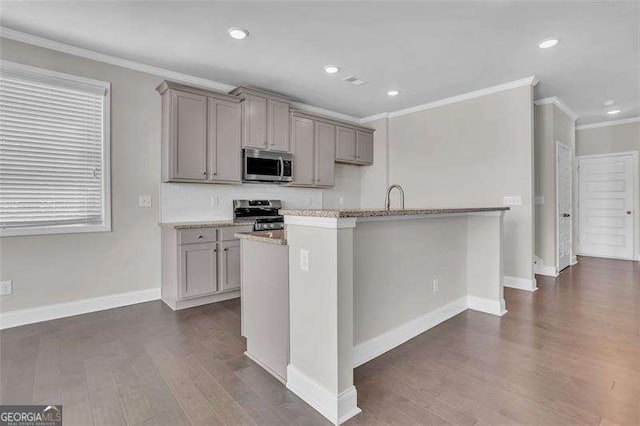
[
  {"x": 188, "y": 137},
  {"x": 302, "y": 133},
  {"x": 278, "y": 124},
  {"x": 325, "y": 153},
  {"x": 225, "y": 141},
  {"x": 201, "y": 135},
  {"x": 314, "y": 148},
  {"x": 354, "y": 146},
  {"x": 266, "y": 120},
  {"x": 255, "y": 122},
  {"x": 345, "y": 144},
  {"x": 364, "y": 147}
]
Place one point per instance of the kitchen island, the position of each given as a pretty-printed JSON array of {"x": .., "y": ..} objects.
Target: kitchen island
[{"x": 362, "y": 282}]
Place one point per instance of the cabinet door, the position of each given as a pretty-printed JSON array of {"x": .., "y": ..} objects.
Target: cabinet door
[
  {"x": 325, "y": 153},
  {"x": 198, "y": 270},
  {"x": 229, "y": 265},
  {"x": 255, "y": 122},
  {"x": 345, "y": 144},
  {"x": 364, "y": 151},
  {"x": 278, "y": 125},
  {"x": 302, "y": 131},
  {"x": 225, "y": 144},
  {"x": 188, "y": 142}
]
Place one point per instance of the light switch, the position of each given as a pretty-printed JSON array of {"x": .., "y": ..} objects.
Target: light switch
[
  {"x": 512, "y": 200},
  {"x": 144, "y": 201},
  {"x": 6, "y": 288},
  {"x": 304, "y": 260}
]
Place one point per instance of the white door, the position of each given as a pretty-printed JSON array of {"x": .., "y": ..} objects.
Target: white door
[
  {"x": 606, "y": 206},
  {"x": 563, "y": 170}
]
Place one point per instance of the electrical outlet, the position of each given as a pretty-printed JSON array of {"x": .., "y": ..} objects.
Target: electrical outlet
[
  {"x": 304, "y": 260},
  {"x": 6, "y": 288},
  {"x": 512, "y": 200},
  {"x": 215, "y": 201},
  {"x": 144, "y": 201},
  {"x": 341, "y": 201},
  {"x": 436, "y": 285}
]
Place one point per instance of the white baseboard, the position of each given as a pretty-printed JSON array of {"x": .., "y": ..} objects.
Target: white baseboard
[
  {"x": 574, "y": 260},
  {"x": 540, "y": 268},
  {"x": 77, "y": 307},
  {"x": 489, "y": 306},
  {"x": 527, "y": 284},
  {"x": 366, "y": 351},
  {"x": 266, "y": 367},
  {"x": 338, "y": 408}
]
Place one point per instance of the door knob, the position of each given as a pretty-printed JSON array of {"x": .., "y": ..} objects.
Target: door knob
[
  {"x": 566, "y": 215},
  {"x": 628, "y": 211}
]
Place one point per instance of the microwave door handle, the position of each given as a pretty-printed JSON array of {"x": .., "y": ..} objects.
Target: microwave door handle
[{"x": 281, "y": 168}]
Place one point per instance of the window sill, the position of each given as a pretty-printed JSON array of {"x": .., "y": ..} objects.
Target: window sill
[{"x": 48, "y": 230}]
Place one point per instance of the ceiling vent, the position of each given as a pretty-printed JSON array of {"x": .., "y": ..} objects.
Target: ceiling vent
[{"x": 352, "y": 79}]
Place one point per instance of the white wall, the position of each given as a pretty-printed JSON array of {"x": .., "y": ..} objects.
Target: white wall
[
  {"x": 347, "y": 187},
  {"x": 196, "y": 202},
  {"x": 470, "y": 153},
  {"x": 50, "y": 269},
  {"x": 551, "y": 125},
  {"x": 608, "y": 139}
]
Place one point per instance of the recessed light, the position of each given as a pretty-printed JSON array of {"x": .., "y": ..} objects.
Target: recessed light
[
  {"x": 613, "y": 112},
  {"x": 548, "y": 42},
  {"x": 331, "y": 69},
  {"x": 393, "y": 93},
  {"x": 609, "y": 103},
  {"x": 238, "y": 33}
]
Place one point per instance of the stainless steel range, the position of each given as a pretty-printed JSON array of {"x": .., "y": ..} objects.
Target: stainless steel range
[{"x": 263, "y": 212}]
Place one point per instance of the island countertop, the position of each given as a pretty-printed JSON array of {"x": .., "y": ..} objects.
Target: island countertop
[
  {"x": 340, "y": 213},
  {"x": 276, "y": 236},
  {"x": 205, "y": 224}
]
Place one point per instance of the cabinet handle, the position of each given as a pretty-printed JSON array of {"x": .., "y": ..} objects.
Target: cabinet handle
[
  {"x": 225, "y": 249},
  {"x": 200, "y": 237}
]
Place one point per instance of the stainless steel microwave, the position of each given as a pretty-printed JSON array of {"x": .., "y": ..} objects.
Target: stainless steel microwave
[{"x": 267, "y": 166}]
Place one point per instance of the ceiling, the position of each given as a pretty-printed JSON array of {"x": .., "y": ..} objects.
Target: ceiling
[{"x": 426, "y": 50}]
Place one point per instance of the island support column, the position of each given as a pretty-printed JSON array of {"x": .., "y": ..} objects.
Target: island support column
[
  {"x": 485, "y": 276},
  {"x": 320, "y": 369}
]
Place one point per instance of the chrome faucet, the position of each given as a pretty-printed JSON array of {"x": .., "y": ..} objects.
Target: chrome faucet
[{"x": 387, "y": 200}]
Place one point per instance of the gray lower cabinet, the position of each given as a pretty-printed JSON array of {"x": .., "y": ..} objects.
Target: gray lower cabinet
[
  {"x": 200, "y": 265},
  {"x": 198, "y": 270},
  {"x": 229, "y": 254},
  {"x": 354, "y": 146},
  {"x": 201, "y": 135},
  {"x": 314, "y": 150}
]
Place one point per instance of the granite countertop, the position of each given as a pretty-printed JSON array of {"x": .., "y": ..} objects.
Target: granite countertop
[
  {"x": 384, "y": 212},
  {"x": 277, "y": 236},
  {"x": 204, "y": 224}
]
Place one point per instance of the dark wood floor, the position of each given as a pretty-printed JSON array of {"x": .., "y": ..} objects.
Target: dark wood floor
[{"x": 567, "y": 354}]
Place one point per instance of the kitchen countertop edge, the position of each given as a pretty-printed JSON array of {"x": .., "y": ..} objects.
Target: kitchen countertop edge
[
  {"x": 204, "y": 224},
  {"x": 264, "y": 237},
  {"x": 344, "y": 213}
]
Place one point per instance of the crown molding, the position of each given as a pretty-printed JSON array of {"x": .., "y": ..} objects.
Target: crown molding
[
  {"x": 554, "y": 100},
  {"x": 529, "y": 81},
  {"x": 177, "y": 77},
  {"x": 609, "y": 123}
]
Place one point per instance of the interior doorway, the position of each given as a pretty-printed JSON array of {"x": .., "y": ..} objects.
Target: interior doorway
[
  {"x": 607, "y": 206},
  {"x": 563, "y": 206}
]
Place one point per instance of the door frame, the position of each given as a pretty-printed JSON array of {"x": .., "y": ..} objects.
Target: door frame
[
  {"x": 635, "y": 193},
  {"x": 560, "y": 145}
]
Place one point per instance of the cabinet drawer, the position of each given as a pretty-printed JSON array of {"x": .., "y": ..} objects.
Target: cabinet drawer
[
  {"x": 226, "y": 233},
  {"x": 197, "y": 235}
]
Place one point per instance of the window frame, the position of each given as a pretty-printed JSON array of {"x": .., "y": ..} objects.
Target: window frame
[{"x": 81, "y": 83}]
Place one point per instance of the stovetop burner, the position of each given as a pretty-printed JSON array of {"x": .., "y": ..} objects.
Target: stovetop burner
[{"x": 263, "y": 212}]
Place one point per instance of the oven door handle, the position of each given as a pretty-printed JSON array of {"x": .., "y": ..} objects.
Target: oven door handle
[{"x": 281, "y": 168}]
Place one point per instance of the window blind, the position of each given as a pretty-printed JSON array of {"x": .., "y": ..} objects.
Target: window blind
[{"x": 51, "y": 152}]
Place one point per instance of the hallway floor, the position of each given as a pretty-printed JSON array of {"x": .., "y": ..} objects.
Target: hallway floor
[{"x": 568, "y": 353}]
